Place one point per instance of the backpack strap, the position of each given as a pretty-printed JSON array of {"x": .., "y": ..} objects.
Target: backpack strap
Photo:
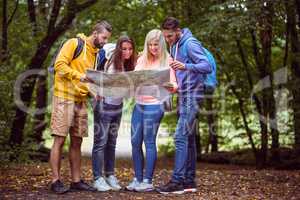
[
  {"x": 77, "y": 52},
  {"x": 207, "y": 53},
  {"x": 184, "y": 46},
  {"x": 101, "y": 60},
  {"x": 79, "y": 48},
  {"x": 210, "y": 79}
]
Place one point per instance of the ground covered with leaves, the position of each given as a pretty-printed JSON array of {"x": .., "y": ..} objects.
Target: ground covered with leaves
[{"x": 31, "y": 181}]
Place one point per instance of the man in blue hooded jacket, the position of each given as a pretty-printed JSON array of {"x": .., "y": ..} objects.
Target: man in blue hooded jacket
[{"x": 191, "y": 65}]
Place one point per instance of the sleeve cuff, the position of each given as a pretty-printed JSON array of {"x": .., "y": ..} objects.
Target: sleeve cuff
[
  {"x": 77, "y": 75},
  {"x": 188, "y": 66}
]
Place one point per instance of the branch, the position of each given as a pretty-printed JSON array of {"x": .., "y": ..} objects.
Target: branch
[
  {"x": 244, "y": 115},
  {"x": 254, "y": 47},
  {"x": 291, "y": 18},
  {"x": 298, "y": 10},
  {"x": 3, "y": 52},
  {"x": 13, "y": 13},
  {"x": 72, "y": 9},
  {"x": 36, "y": 62},
  {"x": 54, "y": 15},
  {"x": 266, "y": 36},
  {"x": 244, "y": 61},
  {"x": 241, "y": 106},
  {"x": 32, "y": 16},
  {"x": 249, "y": 77}
]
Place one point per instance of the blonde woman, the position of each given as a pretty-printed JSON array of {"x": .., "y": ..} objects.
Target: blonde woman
[{"x": 147, "y": 113}]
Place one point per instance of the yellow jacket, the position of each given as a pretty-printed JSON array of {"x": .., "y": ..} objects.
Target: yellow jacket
[{"x": 68, "y": 72}]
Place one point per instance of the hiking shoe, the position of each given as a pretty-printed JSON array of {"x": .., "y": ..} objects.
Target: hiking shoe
[
  {"x": 113, "y": 182},
  {"x": 133, "y": 184},
  {"x": 58, "y": 187},
  {"x": 145, "y": 186},
  {"x": 81, "y": 186},
  {"x": 171, "y": 188},
  {"x": 190, "y": 187},
  {"x": 101, "y": 185}
]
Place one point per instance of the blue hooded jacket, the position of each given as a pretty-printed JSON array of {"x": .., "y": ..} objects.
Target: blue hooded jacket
[{"x": 191, "y": 80}]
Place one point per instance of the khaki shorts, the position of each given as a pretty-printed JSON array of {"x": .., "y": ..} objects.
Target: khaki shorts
[{"x": 69, "y": 117}]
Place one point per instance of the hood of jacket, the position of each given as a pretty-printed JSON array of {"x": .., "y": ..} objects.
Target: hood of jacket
[{"x": 186, "y": 33}]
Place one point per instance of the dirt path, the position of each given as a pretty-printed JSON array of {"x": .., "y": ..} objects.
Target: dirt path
[{"x": 214, "y": 182}]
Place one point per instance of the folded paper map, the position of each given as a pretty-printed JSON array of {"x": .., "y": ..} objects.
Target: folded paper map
[{"x": 130, "y": 84}]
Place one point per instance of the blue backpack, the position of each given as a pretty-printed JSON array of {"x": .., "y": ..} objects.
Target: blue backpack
[{"x": 210, "y": 81}]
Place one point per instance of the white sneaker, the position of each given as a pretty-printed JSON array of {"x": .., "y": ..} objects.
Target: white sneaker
[
  {"x": 101, "y": 185},
  {"x": 145, "y": 186},
  {"x": 113, "y": 182},
  {"x": 133, "y": 184}
]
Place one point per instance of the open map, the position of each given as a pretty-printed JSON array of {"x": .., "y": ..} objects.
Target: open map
[{"x": 130, "y": 84}]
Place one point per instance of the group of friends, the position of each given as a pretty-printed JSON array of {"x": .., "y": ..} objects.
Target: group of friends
[{"x": 169, "y": 47}]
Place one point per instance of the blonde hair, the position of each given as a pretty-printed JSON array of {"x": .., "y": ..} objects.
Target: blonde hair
[{"x": 146, "y": 56}]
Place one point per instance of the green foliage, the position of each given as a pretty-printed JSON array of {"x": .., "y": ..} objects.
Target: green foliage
[
  {"x": 19, "y": 153},
  {"x": 167, "y": 149},
  {"x": 217, "y": 24}
]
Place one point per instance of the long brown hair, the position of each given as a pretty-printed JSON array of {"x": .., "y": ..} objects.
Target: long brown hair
[{"x": 116, "y": 58}]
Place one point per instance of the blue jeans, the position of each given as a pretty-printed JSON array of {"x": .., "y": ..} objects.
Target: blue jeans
[
  {"x": 144, "y": 126},
  {"x": 107, "y": 120},
  {"x": 185, "y": 144}
]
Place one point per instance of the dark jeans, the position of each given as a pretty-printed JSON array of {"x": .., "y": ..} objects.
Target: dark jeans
[
  {"x": 185, "y": 144},
  {"x": 107, "y": 120},
  {"x": 144, "y": 126}
]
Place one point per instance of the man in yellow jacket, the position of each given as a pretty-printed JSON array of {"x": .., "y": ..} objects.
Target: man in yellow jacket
[{"x": 69, "y": 113}]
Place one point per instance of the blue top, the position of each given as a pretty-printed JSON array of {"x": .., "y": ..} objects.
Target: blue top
[{"x": 191, "y": 80}]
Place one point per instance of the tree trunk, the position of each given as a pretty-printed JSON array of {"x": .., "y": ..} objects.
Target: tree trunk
[
  {"x": 258, "y": 104},
  {"x": 198, "y": 139},
  {"x": 264, "y": 135},
  {"x": 213, "y": 137},
  {"x": 296, "y": 104},
  {"x": 266, "y": 38},
  {"x": 296, "y": 80},
  {"x": 245, "y": 122},
  {"x": 32, "y": 17},
  {"x": 5, "y": 24},
  {"x": 37, "y": 61},
  {"x": 27, "y": 87},
  {"x": 241, "y": 101},
  {"x": 261, "y": 106},
  {"x": 298, "y": 11},
  {"x": 295, "y": 67},
  {"x": 41, "y": 104},
  {"x": 263, "y": 62},
  {"x": 4, "y": 31},
  {"x": 275, "y": 153}
]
